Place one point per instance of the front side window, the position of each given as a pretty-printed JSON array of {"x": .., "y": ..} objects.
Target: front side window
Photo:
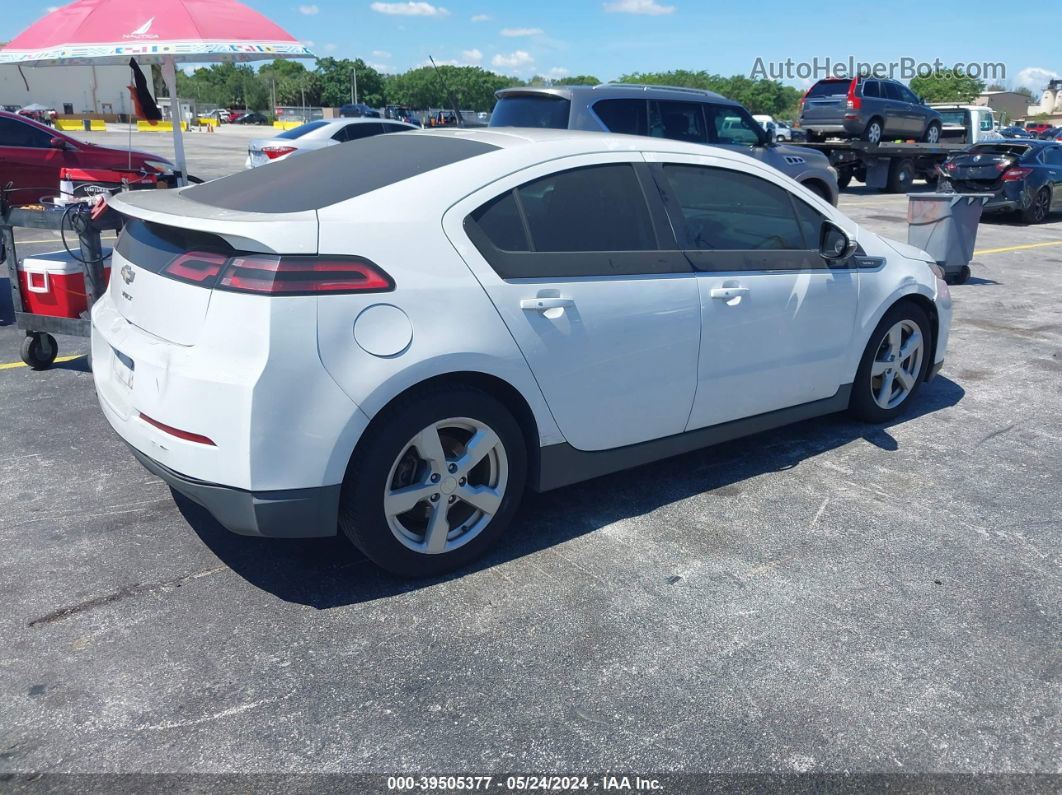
[
  {"x": 627, "y": 116},
  {"x": 731, "y": 125},
  {"x": 15, "y": 133},
  {"x": 726, "y": 210},
  {"x": 678, "y": 121}
]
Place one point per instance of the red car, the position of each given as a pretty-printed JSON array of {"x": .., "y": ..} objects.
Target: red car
[
  {"x": 1037, "y": 127},
  {"x": 31, "y": 156}
]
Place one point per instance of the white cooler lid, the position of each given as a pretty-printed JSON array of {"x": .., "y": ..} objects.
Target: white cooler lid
[{"x": 58, "y": 263}]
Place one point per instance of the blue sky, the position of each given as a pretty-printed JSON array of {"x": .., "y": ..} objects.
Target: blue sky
[{"x": 609, "y": 37}]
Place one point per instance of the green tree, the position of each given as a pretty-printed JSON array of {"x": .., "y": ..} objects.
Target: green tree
[
  {"x": 472, "y": 87},
  {"x": 337, "y": 79},
  {"x": 759, "y": 96},
  {"x": 1026, "y": 93},
  {"x": 577, "y": 80},
  {"x": 947, "y": 86}
]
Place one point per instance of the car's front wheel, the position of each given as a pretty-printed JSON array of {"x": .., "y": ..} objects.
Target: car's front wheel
[
  {"x": 894, "y": 364},
  {"x": 436, "y": 480}
]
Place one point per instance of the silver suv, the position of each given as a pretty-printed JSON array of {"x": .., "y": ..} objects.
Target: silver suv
[
  {"x": 868, "y": 108},
  {"x": 682, "y": 114}
]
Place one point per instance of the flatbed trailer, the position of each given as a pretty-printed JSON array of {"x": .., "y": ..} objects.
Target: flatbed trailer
[{"x": 886, "y": 166}]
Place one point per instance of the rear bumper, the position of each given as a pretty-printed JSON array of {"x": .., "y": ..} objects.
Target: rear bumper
[
  {"x": 848, "y": 127},
  {"x": 292, "y": 513}
]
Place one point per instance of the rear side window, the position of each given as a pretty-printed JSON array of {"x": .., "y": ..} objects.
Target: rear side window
[
  {"x": 892, "y": 91},
  {"x": 872, "y": 88},
  {"x": 501, "y": 222},
  {"x": 541, "y": 110},
  {"x": 302, "y": 129},
  {"x": 595, "y": 208},
  {"x": 1053, "y": 156},
  {"x": 828, "y": 88},
  {"x": 728, "y": 210},
  {"x": 365, "y": 129},
  {"x": 627, "y": 116},
  {"x": 679, "y": 121}
]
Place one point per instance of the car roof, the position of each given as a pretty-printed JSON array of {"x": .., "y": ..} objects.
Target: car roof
[{"x": 616, "y": 91}]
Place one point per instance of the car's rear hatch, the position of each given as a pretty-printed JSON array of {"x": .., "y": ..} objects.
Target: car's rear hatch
[
  {"x": 155, "y": 284},
  {"x": 982, "y": 169},
  {"x": 826, "y": 102}
]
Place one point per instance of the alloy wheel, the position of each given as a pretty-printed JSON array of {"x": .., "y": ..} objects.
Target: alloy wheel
[
  {"x": 874, "y": 133},
  {"x": 897, "y": 364},
  {"x": 446, "y": 485},
  {"x": 933, "y": 134},
  {"x": 1041, "y": 206}
]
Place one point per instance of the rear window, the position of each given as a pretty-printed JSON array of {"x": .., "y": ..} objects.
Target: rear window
[
  {"x": 829, "y": 88},
  {"x": 953, "y": 117},
  {"x": 301, "y": 130},
  {"x": 326, "y": 176},
  {"x": 999, "y": 149},
  {"x": 542, "y": 110}
]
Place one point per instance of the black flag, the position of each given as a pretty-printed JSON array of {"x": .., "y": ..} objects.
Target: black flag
[{"x": 144, "y": 106}]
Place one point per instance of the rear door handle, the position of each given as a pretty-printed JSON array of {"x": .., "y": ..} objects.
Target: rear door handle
[
  {"x": 726, "y": 293},
  {"x": 542, "y": 304}
]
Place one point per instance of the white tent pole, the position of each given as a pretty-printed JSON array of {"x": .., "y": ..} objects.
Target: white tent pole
[{"x": 169, "y": 74}]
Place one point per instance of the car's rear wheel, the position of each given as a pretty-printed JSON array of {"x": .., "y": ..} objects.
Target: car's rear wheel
[
  {"x": 1039, "y": 209},
  {"x": 872, "y": 133},
  {"x": 932, "y": 135},
  {"x": 844, "y": 178},
  {"x": 894, "y": 364},
  {"x": 436, "y": 480}
]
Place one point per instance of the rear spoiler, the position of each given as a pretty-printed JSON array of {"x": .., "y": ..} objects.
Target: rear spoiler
[{"x": 277, "y": 233}]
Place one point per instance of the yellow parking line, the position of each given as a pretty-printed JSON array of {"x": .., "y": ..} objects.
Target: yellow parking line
[
  {"x": 13, "y": 365},
  {"x": 1017, "y": 248}
]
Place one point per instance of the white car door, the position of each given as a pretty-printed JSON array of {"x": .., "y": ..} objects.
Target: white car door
[
  {"x": 586, "y": 277},
  {"x": 776, "y": 322}
]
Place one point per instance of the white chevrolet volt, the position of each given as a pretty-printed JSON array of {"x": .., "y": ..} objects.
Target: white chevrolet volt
[{"x": 395, "y": 337}]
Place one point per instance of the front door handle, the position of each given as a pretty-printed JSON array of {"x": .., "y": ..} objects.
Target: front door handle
[
  {"x": 726, "y": 293},
  {"x": 543, "y": 304}
]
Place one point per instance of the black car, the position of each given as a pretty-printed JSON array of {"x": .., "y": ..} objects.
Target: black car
[
  {"x": 251, "y": 118},
  {"x": 1023, "y": 176},
  {"x": 357, "y": 110}
]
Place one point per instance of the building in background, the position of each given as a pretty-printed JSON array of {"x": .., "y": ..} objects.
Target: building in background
[
  {"x": 1014, "y": 105},
  {"x": 1050, "y": 103},
  {"x": 71, "y": 90}
]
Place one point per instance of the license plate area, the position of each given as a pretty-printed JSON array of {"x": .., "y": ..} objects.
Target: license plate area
[{"x": 123, "y": 368}]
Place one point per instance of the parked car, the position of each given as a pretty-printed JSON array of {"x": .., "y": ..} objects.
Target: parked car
[
  {"x": 1024, "y": 176},
  {"x": 1015, "y": 132},
  {"x": 621, "y": 299},
  {"x": 252, "y": 118},
  {"x": 358, "y": 110},
  {"x": 867, "y": 108},
  {"x": 32, "y": 155},
  {"x": 681, "y": 114},
  {"x": 1037, "y": 127},
  {"x": 777, "y": 130},
  {"x": 317, "y": 135},
  {"x": 1051, "y": 134}
]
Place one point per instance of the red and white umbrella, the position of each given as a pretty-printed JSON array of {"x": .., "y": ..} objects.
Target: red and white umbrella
[{"x": 165, "y": 32}]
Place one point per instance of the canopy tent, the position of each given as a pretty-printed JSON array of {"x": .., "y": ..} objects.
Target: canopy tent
[{"x": 165, "y": 32}]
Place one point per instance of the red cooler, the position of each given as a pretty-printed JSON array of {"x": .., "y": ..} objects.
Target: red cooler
[{"x": 54, "y": 284}]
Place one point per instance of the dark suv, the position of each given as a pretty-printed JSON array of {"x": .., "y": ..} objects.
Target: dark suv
[
  {"x": 868, "y": 108},
  {"x": 682, "y": 114}
]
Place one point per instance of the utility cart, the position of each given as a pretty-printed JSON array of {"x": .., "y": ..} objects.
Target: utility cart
[{"x": 54, "y": 293}]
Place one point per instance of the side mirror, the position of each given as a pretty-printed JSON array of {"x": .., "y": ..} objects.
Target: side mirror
[
  {"x": 834, "y": 243},
  {"x": 58, "y": 143}
]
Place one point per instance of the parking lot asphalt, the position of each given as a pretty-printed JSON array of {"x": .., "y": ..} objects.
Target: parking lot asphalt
[{"x": 830, "y": 597}]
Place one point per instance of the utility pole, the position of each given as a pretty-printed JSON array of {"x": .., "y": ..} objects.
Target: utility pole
[{"x": 354, "y": 82}]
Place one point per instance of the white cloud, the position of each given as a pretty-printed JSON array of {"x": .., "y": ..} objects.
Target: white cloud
[
  {"x": 514, "y": 60},
  {"x": 515, "y": 32},
  {"x": 330, "y": 47},
  {"x": 410, "y": 9},
  {"x": 309, "y": 10},
  {"x": 472, "y": 56},
  {"x": 558, "y": 71},
  {"x": 480, "y": 18},
  {"x": 384, "y": 68},
  {"x": 381, "y": 54},
  {"x": 1035, "y": 79},
  {"x": 648, "y": 7},
  {"x": 308, "y": 43}
]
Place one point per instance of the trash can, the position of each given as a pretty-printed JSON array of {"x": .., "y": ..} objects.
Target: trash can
[{"x": 944, "y": 225}]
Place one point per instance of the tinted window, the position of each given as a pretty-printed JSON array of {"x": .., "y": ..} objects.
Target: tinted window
[
  {"x": 728, "y": 210},
  {"x": 731, "y": 125},
  {"x": 892, "y": 91},
  {"x": 301, "y": 130},
  {"x": 15, "y": 133},
  {"x": 624, "y": 115},
  {"x": 541, "y": 110},
  {"x": 362, "y": 130},
  {"x": 500, "y": 221},
  {"x": 810, "y": 223},
  {"x": 679, "y": 121},
  {"x": 829, "y": 88},
  {"x": 395, "y": 128},
  {"x": 597, "y": 208},
  {"x": 908, "y": 95},
  {"x": 1053, "y": 156},
  {"x": 872, "y": 88}
]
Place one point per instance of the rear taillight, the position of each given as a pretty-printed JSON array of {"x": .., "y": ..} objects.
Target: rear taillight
[
  {"x": 188, "y": 436},
  {"x": 273, "y": 152},
  {"x": 803, "y": 99},
  {"x": 1016, "y": 174},
  {"x": 854, "y": 102},
  {"x": 196, "y": 267},
  {"x": 273, "y": 275}
]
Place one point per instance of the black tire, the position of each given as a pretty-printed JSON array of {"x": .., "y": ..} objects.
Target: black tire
[
  {"x": 868, "y": 131},
  {"x": 817, "y": 188},
  {"x": 932, "y": 179},
  {"x": 39, "y": 350},
  {"x": 1038, "y": 209},
  {"x": 844, "y": 179},
  {"x": 814, "y": 137},
  {"x": 361, "y": 514},
  {"x": 901, "y": 176},
  {"x": 927, "y": 137},
  {"x": 964, "y": 275},
  {"x": 862, "y": 404}
]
